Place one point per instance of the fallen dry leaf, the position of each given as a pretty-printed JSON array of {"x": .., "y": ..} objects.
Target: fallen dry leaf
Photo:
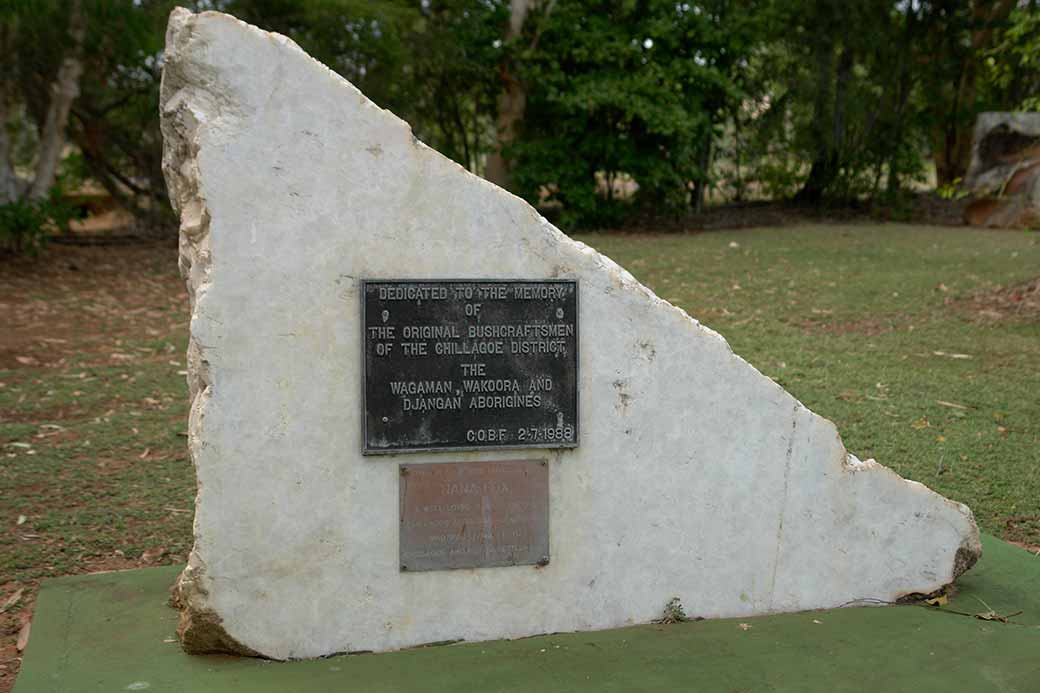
[
  {"x": 23, "y": 636},
  {"x": 744, "y": 626},
  {"x": 952, "y": 356},
  {"x": 991, "y": 615},
  {"x": 994, "y": 616},
  {"x": 920, "y": 423},
  {"x": 153, "y": 554},
  {"x": 941, "y": 600},
  {"x": 12, "y": 600}
]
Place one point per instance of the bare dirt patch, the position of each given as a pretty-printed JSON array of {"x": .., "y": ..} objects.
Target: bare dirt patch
[
  {"x": 13, "y": 621},
  {"x": 1023, "y": 531},
  {"x": 84, "y": 302},
  {"x": 1017, "y": 303}
]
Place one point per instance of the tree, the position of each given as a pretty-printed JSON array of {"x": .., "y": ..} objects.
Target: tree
[
  {"x": 854, "y": 84},
  {"x": 601, "y": 107},
  {"x": 48, "y": 107},
  {"x": 432, "y": 62},
  {"x": 9, "y": 187},
  {"x": 722, "y": 37},
  {"x": 951, "y": 56},
  {"x": 115, "y": 122},
  {"x": 833, "y": 105},
  {"x": 454, "y": 51},
  {"x": 512, "y": 97},
  {"x": 1012, "y": 65},
  {"x": 621, "y": 95}
]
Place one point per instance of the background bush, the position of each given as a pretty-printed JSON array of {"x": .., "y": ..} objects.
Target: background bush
[{"x": 614, "y": 106}]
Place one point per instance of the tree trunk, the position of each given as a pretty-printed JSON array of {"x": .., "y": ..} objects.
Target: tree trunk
[
  {"x": 700, "y": 186},
  {"x": 9, "y": 187},
  {"x": 951, "y": 145},
  {"x": 831, "y": 147},
  {"x": 512, "y": 101},
  {"x": 63, "y": 92},
  {"x": 8, "y": 181},
  {"x": 819, "y": 172},
  {"x": 903, "y": 97},
  {"x": 738, "y": 151},
  {"x": 841, "y": 102},
  {"x": 904, "y": 85}
]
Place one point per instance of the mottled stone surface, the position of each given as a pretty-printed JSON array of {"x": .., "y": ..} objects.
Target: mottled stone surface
[
  {"x": 697, "y": 477},
  {"x": 1004, "y": 175}
]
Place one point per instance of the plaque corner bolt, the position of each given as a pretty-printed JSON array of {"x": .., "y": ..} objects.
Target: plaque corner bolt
[
  {"x": 404, "y": 470},
  {"x": 544, "y": 562},
  {"x": 404, "y": 569}
]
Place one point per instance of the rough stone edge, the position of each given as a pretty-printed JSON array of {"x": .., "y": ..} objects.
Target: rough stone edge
[
  {"x": 201, "y": 629},
  {"x": 970, "y": 550}
]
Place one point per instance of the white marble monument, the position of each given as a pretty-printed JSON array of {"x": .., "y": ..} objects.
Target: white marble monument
[{"x": 694, "y": 477}]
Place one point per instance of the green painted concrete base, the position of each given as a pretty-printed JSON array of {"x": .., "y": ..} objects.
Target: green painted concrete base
[{"x": 113, "y": 632}]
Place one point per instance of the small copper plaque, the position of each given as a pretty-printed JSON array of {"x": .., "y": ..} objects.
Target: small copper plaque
[{"x": 474, "y": 514}]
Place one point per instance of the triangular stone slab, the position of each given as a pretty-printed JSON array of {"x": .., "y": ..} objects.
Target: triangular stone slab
[{"x": 696, "y": 477}]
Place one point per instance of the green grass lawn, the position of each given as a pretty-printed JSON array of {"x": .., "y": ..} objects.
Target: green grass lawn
[{"x": 867, "y": 325}]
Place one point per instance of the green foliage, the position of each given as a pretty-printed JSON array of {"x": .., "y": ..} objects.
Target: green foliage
[
  {"x": 57, "y": 209},
  {"x": 630, "y": 104},
  {"x": 365, "y": 41},
  {"x": 22, "y": 227},
  {"x": 114, "y": 122},
  {"x": 834, "y": 115},
  {"x": 25, "y": 224},
  {"x": 115, "y": 119},
  {"x": 952, "y": 190},
  {"x": 1013, "y": 64},
  {"x": 455, "y": 51},
  {"x": 674, "y": 612},
  {"x": 619, "y": 91},
  {"x": 432, "y": 63}
]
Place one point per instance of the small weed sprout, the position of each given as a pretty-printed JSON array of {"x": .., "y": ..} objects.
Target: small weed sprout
[{"x": 673, "y": 612}]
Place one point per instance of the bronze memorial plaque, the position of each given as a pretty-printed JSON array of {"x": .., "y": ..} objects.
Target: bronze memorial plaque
[
  {"x": 474, "y": 514},
  {"x": 469, "y": 364}
]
